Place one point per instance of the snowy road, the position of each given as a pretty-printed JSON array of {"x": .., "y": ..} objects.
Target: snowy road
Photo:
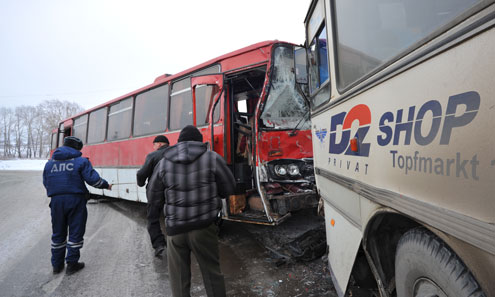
[{"x": 119, "y": 256}]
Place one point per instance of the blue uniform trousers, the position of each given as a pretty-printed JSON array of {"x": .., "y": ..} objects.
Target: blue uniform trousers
[{"x": 69, "y": 213}]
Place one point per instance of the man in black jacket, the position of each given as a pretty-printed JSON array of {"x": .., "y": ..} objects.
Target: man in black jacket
[
  {"x": 160, "y": 143},
  {"x": 193, "y": 180}
]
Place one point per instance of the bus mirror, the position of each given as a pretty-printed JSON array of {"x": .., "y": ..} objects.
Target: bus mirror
[{"x": 300, "y": 65}]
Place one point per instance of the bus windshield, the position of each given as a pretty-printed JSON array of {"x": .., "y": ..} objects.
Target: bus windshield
[{"x": 285, "y": 106}]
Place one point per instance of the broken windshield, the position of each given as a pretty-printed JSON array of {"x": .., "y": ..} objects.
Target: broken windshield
[{"x": 285, "y": 106}]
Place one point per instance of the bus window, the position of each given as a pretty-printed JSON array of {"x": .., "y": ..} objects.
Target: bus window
[
  {"x": 97, "y": 125},
  {"x": 300, "y": 62},
  {"x": 150, "y": 115},
  {"x": 318, "y": 60},
  {"x": 80, "y": 127},
  {"x": 205, "y": 94},
  {"x": 318, "y": 66},
  {"x": 285, "y": 106},
  {"x": 119, "y": 120},
  {"x": 323, "y": 56},
  {"x": 181, "y": 111},
  {"x": 378, "y": 31},
  {"x": 313, "y": 67}
]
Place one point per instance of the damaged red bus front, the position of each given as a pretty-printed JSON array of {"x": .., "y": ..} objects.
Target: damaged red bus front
[{"x": 271, "y": 152}]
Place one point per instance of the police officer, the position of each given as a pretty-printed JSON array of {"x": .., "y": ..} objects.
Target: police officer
[
  {"x": 63, "y": 177},
  {"x": 160, "y": 143}
]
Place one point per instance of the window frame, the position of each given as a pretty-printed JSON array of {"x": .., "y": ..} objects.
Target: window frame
[
  {"x": 85, "y": 140},
  {"x": 322, "y": 28},
  {"x": 439, "y": 31},
  {"x": 210, "y": 69},
  {"x": 105, "y": 108},
  {"x": 323, "y": 25},
  {"x": 109, "y": 114},
  {"x": 135, "y": 104},
  {"x": 195, "y": 119},
  {"x": 272, "y": 74},
  {"x": 187, "y": 89}
]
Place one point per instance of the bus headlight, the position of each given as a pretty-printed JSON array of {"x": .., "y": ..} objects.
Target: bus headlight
[
  {"x": 293, "y": 169},
  {"x": 280, "y": 170}
]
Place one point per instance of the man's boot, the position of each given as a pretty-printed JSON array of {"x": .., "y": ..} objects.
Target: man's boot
[
  {"x": 58, "y": 269},
  {"x": 74, "y": 267}
]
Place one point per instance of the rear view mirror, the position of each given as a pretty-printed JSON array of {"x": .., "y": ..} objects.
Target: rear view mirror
[{"x": 300, "y": 65}]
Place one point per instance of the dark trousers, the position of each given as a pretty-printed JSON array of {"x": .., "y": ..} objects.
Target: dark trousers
[
  {"x": 154, "y": 211},
  {"x": 204, "y": 244},
  {"x": 69, "y": 213}
]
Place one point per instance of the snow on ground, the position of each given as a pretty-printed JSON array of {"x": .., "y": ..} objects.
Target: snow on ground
[{"x": 23, "y": 164}]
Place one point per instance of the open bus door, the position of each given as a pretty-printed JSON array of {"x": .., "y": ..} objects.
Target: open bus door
[
  {"x": 226, "y": 128},
  {"x": 207, "y": 92}
]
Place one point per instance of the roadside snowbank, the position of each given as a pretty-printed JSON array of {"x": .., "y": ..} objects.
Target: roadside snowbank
[{"x": 22, "y": 164}]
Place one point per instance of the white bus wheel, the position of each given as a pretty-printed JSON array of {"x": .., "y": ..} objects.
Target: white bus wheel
[{"x": 426, "y": 266}]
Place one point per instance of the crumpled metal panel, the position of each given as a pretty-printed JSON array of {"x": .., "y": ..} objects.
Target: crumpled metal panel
[{"x": 282, "y": 145}]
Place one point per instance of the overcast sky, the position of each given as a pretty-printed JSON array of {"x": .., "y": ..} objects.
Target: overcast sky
[{"x": 92, "y": 51}]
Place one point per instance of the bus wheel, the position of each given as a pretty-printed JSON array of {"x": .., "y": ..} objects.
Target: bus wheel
[{"x": 426, "y": 266}]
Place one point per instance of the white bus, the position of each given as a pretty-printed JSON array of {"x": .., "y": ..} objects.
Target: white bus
[{"x": 403, "y": 123}]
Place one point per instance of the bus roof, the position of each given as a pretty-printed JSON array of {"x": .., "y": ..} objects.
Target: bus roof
[{"x": 167, "y": 77}]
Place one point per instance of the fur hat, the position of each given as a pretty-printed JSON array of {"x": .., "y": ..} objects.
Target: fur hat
[
  {"x": 73, "y": 142},
  {"x": 161, "y": 138},
  {"x": 190, "y": 133}
]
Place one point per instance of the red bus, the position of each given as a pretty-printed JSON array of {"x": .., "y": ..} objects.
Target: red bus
[{"x": 249, "y": 109}]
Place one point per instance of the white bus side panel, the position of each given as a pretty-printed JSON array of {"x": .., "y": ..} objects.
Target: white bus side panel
[
  {"x": 343, "y": 240},
  {"x": 429, "y": 157},
  {"x": 124, "y": 184},
  {"x": 112, "y": 177}
]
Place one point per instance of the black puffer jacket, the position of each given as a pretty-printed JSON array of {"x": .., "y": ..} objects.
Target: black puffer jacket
[
  {"x": 192, "y": 180},
  {"x": 146, "y": 170}
]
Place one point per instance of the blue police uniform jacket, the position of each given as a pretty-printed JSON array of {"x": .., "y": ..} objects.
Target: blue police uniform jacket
[{"x": 66, "y": 172}]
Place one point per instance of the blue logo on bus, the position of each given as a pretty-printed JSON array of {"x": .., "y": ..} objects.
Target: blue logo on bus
[
  {"x": 321, "y": 134},
  {"x": 355, "y": 146}
]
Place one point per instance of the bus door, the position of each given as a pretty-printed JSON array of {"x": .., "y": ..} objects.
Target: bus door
[
  {"x": 227, "y": 118},
  {"x": 207, "y": 103},
  {"x": 244, "y": 92}
]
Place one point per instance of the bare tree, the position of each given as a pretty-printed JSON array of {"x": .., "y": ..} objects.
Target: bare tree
[
  {"x": 7, "y": 121},
  {"x": 19, "y": 128},
  {"x": 53, "y": 112},
  {"x": 26, "y": 131},
  {"x": 38, "y": 132},
  {"x": 30, "y": 115}
]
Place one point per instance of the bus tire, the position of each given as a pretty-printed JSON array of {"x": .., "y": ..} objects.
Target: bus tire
[{"x": 426, "y": 266}]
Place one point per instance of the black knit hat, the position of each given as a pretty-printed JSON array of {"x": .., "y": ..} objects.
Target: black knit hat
[
  {"x": 190, "y": 133},
  {"x": 161, "y": 138},
  {"x": 73, "y": 142}
]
